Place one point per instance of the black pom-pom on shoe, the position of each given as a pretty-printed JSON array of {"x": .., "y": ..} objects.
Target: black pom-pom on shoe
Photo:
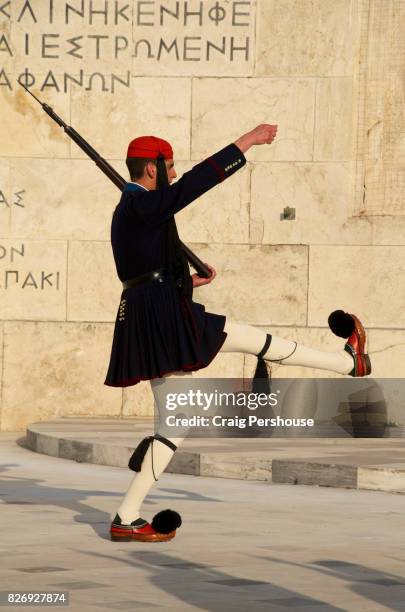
[
  {"x": 341, "y": 323},
  {"x": 166, "y": 521}
]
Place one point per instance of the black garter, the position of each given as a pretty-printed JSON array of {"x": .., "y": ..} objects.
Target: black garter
[{"x": 136, "y": 460}]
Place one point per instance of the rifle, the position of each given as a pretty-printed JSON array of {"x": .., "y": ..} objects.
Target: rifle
[{"x": 113, "y": 175}]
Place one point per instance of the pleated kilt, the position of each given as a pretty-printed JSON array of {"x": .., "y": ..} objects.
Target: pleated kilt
[{"x": 158, "y": 331}]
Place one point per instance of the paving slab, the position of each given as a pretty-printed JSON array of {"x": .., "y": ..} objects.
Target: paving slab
[
  {"x": 362, "y": 463},
  {"x": 243, "y": 545}
]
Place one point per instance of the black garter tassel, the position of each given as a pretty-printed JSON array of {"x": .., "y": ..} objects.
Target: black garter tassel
[
  {"x": 135, "y": 462},
  {"x": 166, "y": 521},
  {"x": 261, "y": 379}
]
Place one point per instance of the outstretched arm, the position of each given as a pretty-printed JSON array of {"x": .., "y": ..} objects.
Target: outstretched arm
[
  {"x": 263, "y": 134},
  {"x": 158, "y": 206}
]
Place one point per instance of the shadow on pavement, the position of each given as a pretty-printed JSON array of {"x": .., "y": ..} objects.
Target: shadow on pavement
[
  {"x": 367, "y": 582},
  {"x": 211, "y": 589}
]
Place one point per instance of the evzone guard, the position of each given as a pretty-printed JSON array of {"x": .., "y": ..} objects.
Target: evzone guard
[{"x": 160, "y": 331}]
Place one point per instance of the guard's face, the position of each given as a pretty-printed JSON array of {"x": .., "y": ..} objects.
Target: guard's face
[{"x": 171, "y": 172}]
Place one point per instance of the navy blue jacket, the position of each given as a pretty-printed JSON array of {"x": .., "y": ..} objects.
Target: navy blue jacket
[{"x": 139, "y": 223}]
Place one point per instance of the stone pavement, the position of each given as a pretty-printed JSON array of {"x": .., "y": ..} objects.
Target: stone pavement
[
  {"x": 362, "y": 463},
  {"x": 242, "y": 546}
]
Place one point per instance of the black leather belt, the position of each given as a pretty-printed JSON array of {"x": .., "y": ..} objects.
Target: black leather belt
[{"x": 156, "y": 275}]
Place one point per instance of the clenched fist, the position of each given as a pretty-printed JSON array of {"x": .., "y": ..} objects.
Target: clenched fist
[
  {"x": 198, "y": 281},
  {"x": 262, "y": 134}
]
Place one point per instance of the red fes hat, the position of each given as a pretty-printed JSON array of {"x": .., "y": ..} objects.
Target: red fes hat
[{"x": 149, "y": 146}]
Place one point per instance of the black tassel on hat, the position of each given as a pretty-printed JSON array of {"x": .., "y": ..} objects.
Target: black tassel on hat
[
  {"x": 341, "y": 323},
  {"x": 166, "y": 521}
]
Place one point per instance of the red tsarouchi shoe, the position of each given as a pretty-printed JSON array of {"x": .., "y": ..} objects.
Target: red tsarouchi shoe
[
  {"x": 356, "y": 346},
  {"x": 141, "y": 531}
]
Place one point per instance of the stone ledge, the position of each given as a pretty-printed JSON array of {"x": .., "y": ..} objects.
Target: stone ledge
[{"x": 373, "y": 464}]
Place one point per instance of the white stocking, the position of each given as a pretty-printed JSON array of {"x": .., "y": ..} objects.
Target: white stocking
[
  {"x": 144, "y": 480},
  {"x": 249, "y": 339}
]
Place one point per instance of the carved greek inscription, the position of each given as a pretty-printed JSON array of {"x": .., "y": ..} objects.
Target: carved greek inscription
[
  {"x": 90, "y": 34},
  {"x": 7, "y": 200},
  {"x": 13, "y": 276}
]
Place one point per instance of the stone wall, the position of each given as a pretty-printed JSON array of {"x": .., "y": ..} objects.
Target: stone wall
[{"x": 329, "y": 73}]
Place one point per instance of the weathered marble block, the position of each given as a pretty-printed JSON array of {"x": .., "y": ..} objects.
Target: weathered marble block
[
  {"x": 258, "y": 285},
  {"x": 387, "y": 230},
  {"x": 7, "y": 197},
  {"x": 296, "y": 37},
  {"x": 366, "y": 280},
  {"x": 93, "y": 288},
  {"x": 220, "y": 215},
  {"x": 379, "y": 112},
  {"x": 321, "y": 196},
  {"x": 245, "y": 103},
  {"x": 70, "y": 199},
  {"x": 55, "y": 369},
  {"x": 333, "y": 124},
  {"x": 383, "y": 184},
  {"x": 387, "y": 353},
  {"x": 388, "y": 478},
  {"x": 25, "y": 130},
  {"x": 1, "y": 364},
  {"x": 33, "y": 279},
  {"x": 116, "y": 120}
]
